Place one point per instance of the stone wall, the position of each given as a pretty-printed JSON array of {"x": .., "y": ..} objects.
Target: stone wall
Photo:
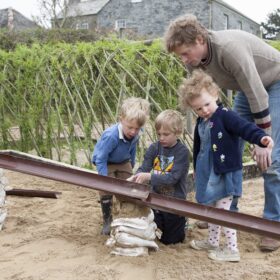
[
  {"x": 234, "y": 20},
  {"x": 151, "y": 17}
]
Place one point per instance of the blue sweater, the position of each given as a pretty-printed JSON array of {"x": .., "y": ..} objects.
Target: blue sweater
[
  {"x": 169, "y": 167},
  {"x": 226, "y": 129},
  {"x": 113, "y": 148}
]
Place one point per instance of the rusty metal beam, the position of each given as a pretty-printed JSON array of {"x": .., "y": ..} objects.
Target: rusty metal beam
[
  {"x": 53, "y": 170},
  {"x": 213, "y": 215},
  {"x": 137, "y": 193}
]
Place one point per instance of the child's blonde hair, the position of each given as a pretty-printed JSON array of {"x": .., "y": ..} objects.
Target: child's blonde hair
[
  {"x": 184, "y": 30},
  {"x": 137, "y": 109},
  {"x": 171, "y": 120},
  {"x": 192, "y": 87}
]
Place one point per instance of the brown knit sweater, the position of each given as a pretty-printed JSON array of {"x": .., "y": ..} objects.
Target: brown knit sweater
[{"x": 238, "y": 60}]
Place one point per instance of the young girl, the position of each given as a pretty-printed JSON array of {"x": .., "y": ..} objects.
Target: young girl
[{"x": 217, "y": 157}]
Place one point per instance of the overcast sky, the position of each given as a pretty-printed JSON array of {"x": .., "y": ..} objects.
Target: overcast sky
[{"x": 256, "y": 10}]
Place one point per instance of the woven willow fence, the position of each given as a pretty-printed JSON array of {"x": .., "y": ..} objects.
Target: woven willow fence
[{"x": 55, "y": 100}]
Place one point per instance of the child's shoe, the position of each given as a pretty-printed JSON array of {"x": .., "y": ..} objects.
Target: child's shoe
[
  {"x": 202, "y": 245},
  {"x": 224, "y": 254}
]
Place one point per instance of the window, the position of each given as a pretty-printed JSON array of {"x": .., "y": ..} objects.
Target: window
[
  {"x": 239, "y": 25},
  {"x": 120, "y": 23},
  {"x": 82, "y": 25},
  {"x": 225, "y": 21},
  {"x": 136, "y": 1}
]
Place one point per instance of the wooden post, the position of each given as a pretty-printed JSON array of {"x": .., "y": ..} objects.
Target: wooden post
[
  {"x": 229, "y": 96},
  {"x": 189, "y": 120},
  {"x": 33, "y": 193}
]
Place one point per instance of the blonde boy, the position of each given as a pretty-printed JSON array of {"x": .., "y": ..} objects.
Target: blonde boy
[
  {"x": 165, "y": 166},
  {"x": 114, "y": 153}
]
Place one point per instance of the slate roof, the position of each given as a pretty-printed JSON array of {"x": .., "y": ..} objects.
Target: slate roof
[
  {"x": 19, "y": 21},
  {"x": 85, "y": 8},
  {"x": 3, "y": 18}
]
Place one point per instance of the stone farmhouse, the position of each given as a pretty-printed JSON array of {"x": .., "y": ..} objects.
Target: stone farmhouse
[
  {"x": 149, "y": 18},
  {"x": 13, "y": 20}
]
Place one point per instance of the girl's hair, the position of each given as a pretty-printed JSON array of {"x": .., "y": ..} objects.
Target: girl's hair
[
  {"x": 134, "y": 108},
  {"x": 192, "y": 87},
  {"x": 184, "y": 31},
  {"x": 171, "y": 120}
]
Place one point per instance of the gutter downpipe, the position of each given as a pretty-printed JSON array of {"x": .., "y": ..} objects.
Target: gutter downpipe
[{"x": 210, "y": 24}]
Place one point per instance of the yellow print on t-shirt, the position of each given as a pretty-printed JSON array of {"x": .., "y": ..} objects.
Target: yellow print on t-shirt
[{"x": 163, "y": 164}]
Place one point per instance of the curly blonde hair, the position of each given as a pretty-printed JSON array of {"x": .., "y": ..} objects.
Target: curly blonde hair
[
  {"x": 184, "y": 30},
  {"x": 135, "y": 108},
  {"x": 171, "y": 120},
  {"x": 192, "y": 87}
]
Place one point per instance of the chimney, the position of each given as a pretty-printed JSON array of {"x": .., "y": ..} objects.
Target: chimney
[{"x": 10, "y": 24}]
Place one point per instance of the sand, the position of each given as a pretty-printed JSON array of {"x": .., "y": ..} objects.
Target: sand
[{"x": 60, "y": 239}]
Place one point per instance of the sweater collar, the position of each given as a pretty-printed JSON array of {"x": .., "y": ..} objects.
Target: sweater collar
[
  {"x": 208, "y": 59},
  {"x": 220, "y": 108}
]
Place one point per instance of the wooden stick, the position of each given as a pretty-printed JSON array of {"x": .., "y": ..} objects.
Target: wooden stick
[{"x": 33, "y": 193}]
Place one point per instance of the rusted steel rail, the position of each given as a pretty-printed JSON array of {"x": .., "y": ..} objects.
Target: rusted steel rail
[
  {"x": 214, "y": 215},
  {"x": 54, "y": 170},
  {"x": 137, "y": 193},
  {"x": 33, "y": 193}
]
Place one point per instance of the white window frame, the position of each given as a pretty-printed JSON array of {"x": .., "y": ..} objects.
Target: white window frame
[
  {"x": 240, "y": 25},
  {"x": 226, "y": 22},
  {"x": 82, "y": 25},
  {"x": 120, "y": 23},
  {"x": 136, "y": 1}
]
